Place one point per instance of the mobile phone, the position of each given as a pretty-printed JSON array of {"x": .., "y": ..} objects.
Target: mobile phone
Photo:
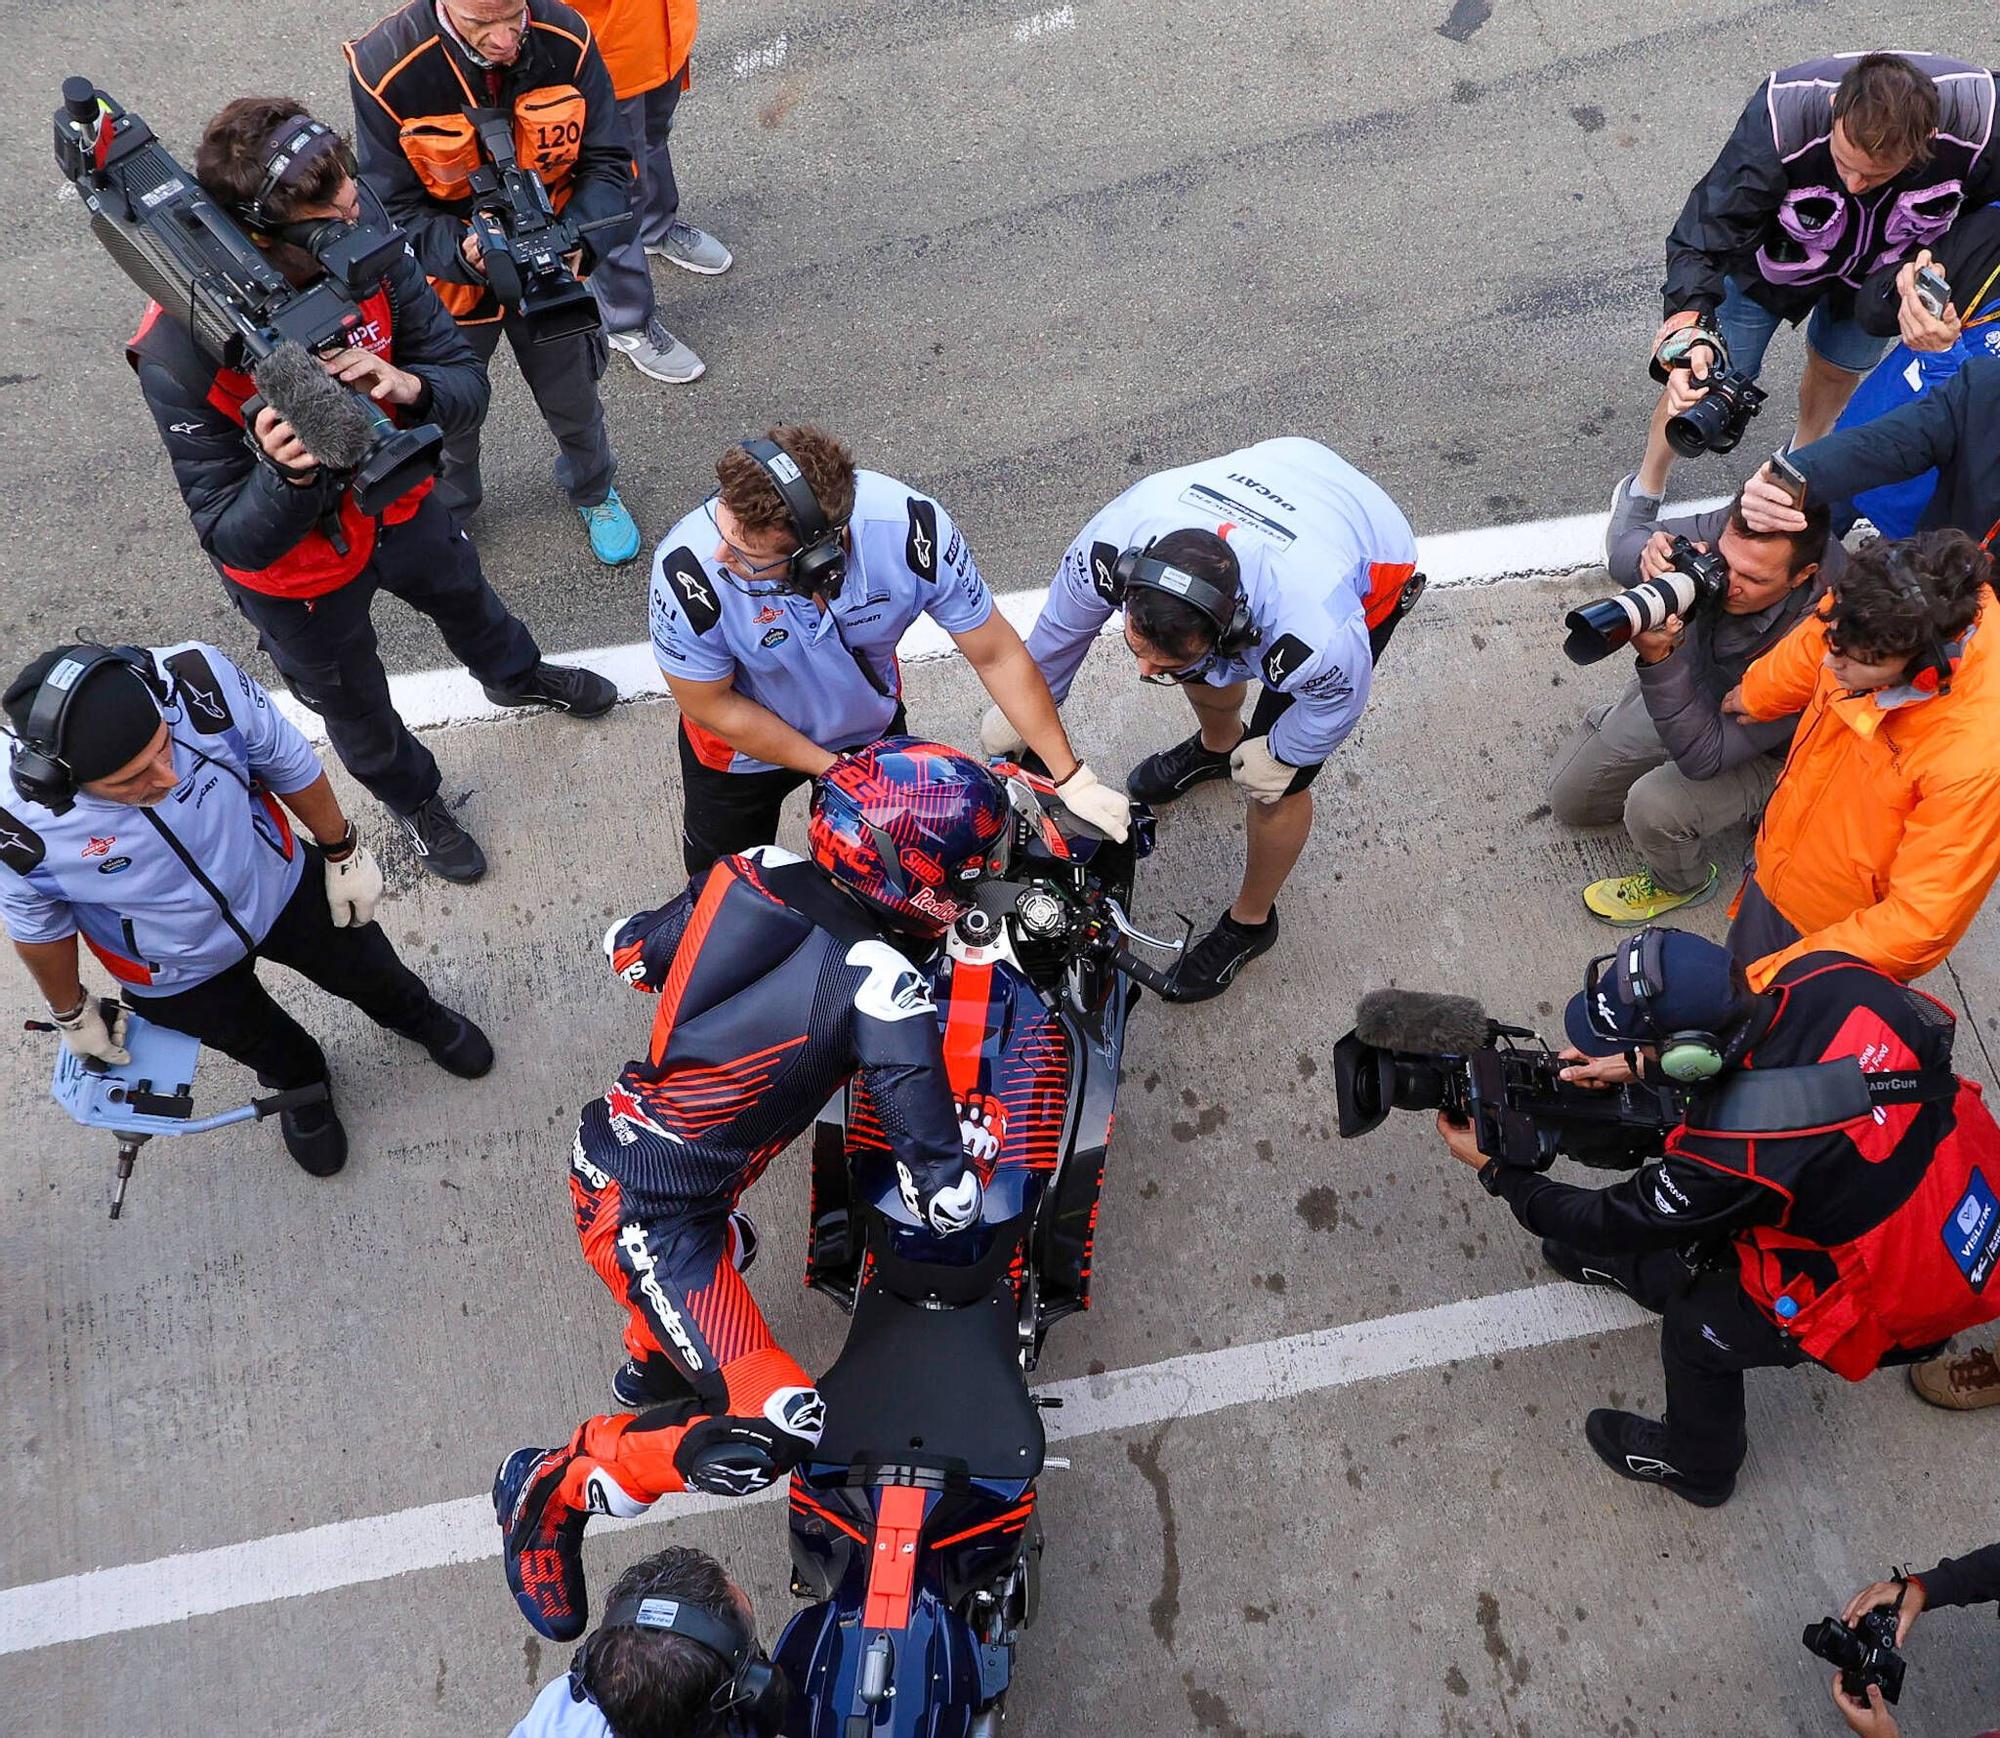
[
  {"x": 1789, "y": 478},
  {"x": 1933, "y": 291}
]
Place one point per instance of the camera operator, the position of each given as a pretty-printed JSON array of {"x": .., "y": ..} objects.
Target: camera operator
[
  {"x": 640, "y": 1674},
  {"x": 141, "y": 811},
  {"x": 1882, "y": 838},
  {"x": 414, "y": 78},
  {"x": 297, "y": 555},
  {"x": 1970, "y": 1580},
  {"x": 1837, "y": 167},
  {"x": 1823, "y": 1234},
  {"x": 1663, "y": 757}
]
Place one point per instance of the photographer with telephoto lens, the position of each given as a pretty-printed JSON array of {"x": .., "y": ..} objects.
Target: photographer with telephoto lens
[
  {"x": 1824, "y": 1197},
  {"x": 300, "y": 556},
  {"x": 1837, "y": 168},
  {"x": 1663, "y": 758}
]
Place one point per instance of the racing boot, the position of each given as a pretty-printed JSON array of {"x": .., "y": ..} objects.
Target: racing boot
[
  {"x": 314, "y": 1137},
  {"x": 1576, "y": 1267},
  {"x": 1173, "y": 772},
  {"x": 1210, "y": 966},
  {"x": 1634, "y": 1448},
  {"x": 542, "y": 1542}
]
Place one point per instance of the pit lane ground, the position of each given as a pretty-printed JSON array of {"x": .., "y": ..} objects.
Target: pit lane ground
[{"x": 1019, "y": 255}]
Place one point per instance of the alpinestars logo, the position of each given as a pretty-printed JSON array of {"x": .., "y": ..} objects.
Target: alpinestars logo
[
  {"x": 604, "y": 1495},
  {"x": 921, "y": 549},
  {"x": 690, "y": 583},
  {"x": 200, "y": 700},
  {"x": 639, "y": 1258},
  {"x": 797, "y": 1412},
  {"x": 1645, "y": 1466},
  {"x": 894, "y": 989}
]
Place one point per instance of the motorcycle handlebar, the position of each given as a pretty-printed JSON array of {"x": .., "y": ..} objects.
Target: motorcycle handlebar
[{"x": 1148, "y": 976}]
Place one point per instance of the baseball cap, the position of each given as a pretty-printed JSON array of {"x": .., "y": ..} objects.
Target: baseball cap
[{"x": 1659, "y": 982}]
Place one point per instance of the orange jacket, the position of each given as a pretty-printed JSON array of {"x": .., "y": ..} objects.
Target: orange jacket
[
  {"x": 644, "y": 42},
  {"x": 1883, "y": 836}
]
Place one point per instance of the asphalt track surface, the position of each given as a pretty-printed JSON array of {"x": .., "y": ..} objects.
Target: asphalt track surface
[{"x": 1018, "y": 257}]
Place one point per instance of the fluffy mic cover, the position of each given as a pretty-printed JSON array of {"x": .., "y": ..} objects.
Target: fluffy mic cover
[
  {"x": 333, "y": 421},
  {"x": 1423, "y": 1021}
]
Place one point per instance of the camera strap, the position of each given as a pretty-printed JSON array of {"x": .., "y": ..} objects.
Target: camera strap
[{"x": 1810, "y": 1098}]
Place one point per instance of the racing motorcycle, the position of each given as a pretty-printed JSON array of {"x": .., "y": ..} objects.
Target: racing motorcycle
[{"x": 913, "y": 1527}]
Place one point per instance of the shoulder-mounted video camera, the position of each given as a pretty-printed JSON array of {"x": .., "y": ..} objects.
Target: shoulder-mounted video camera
[
  {"x": 1413, "y": 1050},
  {"x": 190, "y": 256},
  {"x": 525, "y": 242}
]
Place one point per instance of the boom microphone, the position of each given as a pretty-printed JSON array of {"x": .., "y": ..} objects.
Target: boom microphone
[
  {"x": 1423, "y": 1022},
  {"x": 336, "y": 426}
]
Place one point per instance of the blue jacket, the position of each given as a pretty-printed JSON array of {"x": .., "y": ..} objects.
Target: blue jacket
[{"x": 168, "y": 896}]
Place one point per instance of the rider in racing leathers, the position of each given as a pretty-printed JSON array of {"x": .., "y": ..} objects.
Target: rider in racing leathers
[
  {"x": 778, "y": 978},
  {"x": 1308, "y": 566}
]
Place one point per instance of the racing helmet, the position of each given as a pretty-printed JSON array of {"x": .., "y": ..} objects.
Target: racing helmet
[{"x": 909, "y": 827}]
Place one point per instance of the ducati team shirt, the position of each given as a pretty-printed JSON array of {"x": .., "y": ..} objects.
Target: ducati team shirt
[
  {"x": 1313, "y": 538},
  {"x": 830, "y": 674}
]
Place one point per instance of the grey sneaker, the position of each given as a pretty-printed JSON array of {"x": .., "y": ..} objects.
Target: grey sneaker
[
  {"x": 658, "y": 354},
  {"x": 694, "y": 250}
]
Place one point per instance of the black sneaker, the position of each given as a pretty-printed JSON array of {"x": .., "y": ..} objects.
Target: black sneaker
[
  {"x": 314, "y": 1137},
  {"x": 456, "y": 1045},
  {"x": 443, "y": 847},
  {"x": 1633, "y": 1448},
  {"x": 1575, "y": 1266},
  {"x": 1173, "y": 772},
  {"x": 1210, "y": 966},
  {"x": 566, "y": 687}
]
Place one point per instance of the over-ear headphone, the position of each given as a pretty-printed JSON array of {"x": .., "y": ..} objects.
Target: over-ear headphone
[
  {"x": 41, "y": 773},
  {"x": 1689, "y": 1056},
  {"x": 291, "y": 147},
  {"x": 1228, "y": 608},
  {"x": 1930, "y": 670},
  {"x": 819, "y": 564},
  {"x": 756, "y": 1692}
]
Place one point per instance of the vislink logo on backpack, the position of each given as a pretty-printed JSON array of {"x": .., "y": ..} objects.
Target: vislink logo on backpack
[{"x": 1973, "y": 1232}]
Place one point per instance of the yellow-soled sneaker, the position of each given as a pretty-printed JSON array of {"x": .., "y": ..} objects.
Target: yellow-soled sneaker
[{"x": 1631, "y": 901}]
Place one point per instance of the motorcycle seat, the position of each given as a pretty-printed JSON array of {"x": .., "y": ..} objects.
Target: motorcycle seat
[{"x": 932, "y": 1387}]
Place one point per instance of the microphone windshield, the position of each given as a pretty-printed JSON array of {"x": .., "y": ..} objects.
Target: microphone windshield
[
  {"x": 337, "y": 428},
  {"x": 1422, "y": 1020}
]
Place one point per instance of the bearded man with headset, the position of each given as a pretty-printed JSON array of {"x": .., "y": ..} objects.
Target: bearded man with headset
[{"x": 145, "y": 810}]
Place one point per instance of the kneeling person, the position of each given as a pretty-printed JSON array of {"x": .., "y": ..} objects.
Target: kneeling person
[
  {"x": 778, "y": 978},
  {"x": 1664, "y": 757},
  {"x": 1280, "y": 562}
]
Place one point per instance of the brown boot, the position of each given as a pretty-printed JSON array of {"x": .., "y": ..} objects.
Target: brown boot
[{"x": 1961, "y": 1381}]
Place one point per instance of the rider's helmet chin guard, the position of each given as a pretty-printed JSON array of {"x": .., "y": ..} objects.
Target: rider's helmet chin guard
[{"x": 910, "y": 828}]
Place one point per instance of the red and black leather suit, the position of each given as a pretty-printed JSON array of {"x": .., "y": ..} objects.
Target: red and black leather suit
[{"x": 774, "y": 988}]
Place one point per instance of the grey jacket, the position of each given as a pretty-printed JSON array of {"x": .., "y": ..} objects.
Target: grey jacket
[{"x": 1683, "y": 693}]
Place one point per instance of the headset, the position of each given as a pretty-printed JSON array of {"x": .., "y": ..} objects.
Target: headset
[
  {"x": 41, "y": 774},
  {"x": 1227, "y": 607},
  {"x": 755, "y": 1692},
  {"x": 1930, "y": 670},
  {"x": 292, "y": 146},
  {"x": 819, "y": 564},
  {"x": 1687, "y": 1057}
]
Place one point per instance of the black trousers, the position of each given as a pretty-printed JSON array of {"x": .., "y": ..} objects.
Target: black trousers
[
  {"x": 325, "y": 647},
  {"x": 726, "y": 812},
  {"x": 235, "y": 1014},
  {"x": 1710, "y": 1333}
]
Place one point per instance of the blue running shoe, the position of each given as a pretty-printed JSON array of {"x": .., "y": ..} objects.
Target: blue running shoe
[{"x": 614, "y": 534}]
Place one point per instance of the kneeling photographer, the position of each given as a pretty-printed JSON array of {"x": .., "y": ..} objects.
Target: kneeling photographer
[
  {"x": 1876, "y": 1626},
  {"x": 301, "y": 548},
  {"x": 1663, "y": 757},
  {"x": 1802, "y": 1209}
]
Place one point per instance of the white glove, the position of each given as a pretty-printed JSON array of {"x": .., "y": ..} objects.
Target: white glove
[
  {"x": 353, "y": 887},
  {"x": 999, "y": 739},
  {"x": 1109, "y": 811},
  {"x": 90, "y": 1037},
  {"x": 951, "y": 1210},
  {"x": 1251, "y": 765}
]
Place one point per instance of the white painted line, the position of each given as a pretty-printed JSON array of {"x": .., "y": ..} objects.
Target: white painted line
[
  {"x": 378, "y": 1547},
  {"x": 1050, "y": 23},
  {"x": 764, "y": 57},
  {"x": 1491, "y": 555}
]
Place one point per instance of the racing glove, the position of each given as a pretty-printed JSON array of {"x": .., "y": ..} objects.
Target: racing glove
[
  {"x": 1264, "y": 777},
  {"x": 998, "y": 739},
  {"x": 1107, "y": 810},
  {"x": 95, "y": 1031},
  {"x": 949, "y": 1209},
  {"x": 353, "y": 883}
]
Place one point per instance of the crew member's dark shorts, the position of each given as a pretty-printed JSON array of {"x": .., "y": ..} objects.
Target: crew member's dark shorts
[
  {"x": 1271, "y": 705},
  {"x": 726, "y": 812}
]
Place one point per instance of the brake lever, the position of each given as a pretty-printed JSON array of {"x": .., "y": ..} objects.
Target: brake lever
[{"x": 1125, "y": 927}]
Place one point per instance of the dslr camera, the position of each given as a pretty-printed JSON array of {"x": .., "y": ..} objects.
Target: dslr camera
[
  {"x": 1412, "y": 1050},
  {"x": 1865, "y": 1654},
  {"x": 525, "y": 242},
  {"x": 1697, "y": 577},
  {"x": 189, "y": 255},
  {"x": 1715, "y": 423}
]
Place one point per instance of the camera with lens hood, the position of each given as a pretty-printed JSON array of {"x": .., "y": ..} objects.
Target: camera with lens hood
[
  {"x": 1696, "y": 577},
  {"x": 196, "y": 261}
]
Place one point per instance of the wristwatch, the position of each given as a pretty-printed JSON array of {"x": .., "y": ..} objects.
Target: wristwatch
[
  {"x": 1489, "y": 1176},
  {"x": 343, "y": 848}
]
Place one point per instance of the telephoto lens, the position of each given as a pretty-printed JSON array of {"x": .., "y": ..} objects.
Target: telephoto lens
[
  {"x": 1715, "y": 422},
  {"x": 1599, "y": 629}
]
